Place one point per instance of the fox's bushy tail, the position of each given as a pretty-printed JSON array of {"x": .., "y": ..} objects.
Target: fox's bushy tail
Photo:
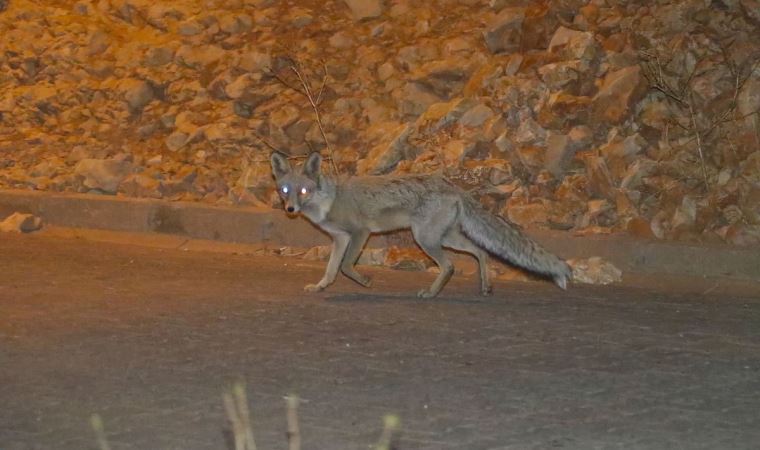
[{"x": 507, "y": 242}]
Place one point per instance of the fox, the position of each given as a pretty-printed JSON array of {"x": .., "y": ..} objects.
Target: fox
[{"x": 439, "y": 214}]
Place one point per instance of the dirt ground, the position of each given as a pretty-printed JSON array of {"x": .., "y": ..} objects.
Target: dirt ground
[{"x": 149, "y": 338}]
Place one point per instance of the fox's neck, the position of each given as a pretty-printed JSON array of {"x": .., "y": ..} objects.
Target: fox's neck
[
  {"x": 322, "y": 200},
  {"x": 334, "y": 180}
]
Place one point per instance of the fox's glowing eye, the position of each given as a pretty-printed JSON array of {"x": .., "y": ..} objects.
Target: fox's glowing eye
[
  {"x": 304, "y": 191},
  {"x": 285, "y": 190}
]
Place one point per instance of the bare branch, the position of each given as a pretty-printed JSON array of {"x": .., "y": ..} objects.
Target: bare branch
[
  {"x": 306, "y": 90},
  {"x": 699, "y": 141},
  {"x": 236, "y": 405},
  {"x": 653, "y": 72},
  {"x": 324, "y": 83},
  {"x": 264, "y": 141},
  {"x": 97, "y": 425},
  {"x": 682, "y": 96},
  {"x": 294, "y": 433},
  {"x": 315, "y": 106},
  {"x": 284, "y": 82},
  {"x": 390, "y": 425}
]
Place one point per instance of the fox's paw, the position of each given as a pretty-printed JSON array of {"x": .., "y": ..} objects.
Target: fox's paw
[
  {"x": 313, "y": 288},
  {"x": 424, "y": 293},
  {"x": 486, "y": 290},
  {"x": 357, "y": 277},
  {"x": 365, "y": 281}
]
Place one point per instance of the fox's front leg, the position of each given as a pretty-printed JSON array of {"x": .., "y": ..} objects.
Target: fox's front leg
[
  {"x": 339, "y": 246},
  {"x": 355, "y": 246}
]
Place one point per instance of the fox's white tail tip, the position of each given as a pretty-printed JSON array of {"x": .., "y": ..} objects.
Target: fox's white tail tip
[{"x": 561, "y": 279}]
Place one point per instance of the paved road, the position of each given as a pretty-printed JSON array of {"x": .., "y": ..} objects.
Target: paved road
[{"x": 149, "y": 338}]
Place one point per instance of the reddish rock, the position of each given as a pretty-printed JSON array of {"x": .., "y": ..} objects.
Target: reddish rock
[
  {"x": 640, "y": 227},
  {"x": 743, "y": 235},
  {"x": 407, "y": 258},
  {"x": 573, "y": 44},
  {"x": 619, "y": 91},
  {"x": 504, "y": 33},
  {"x": 528, "y": 215},
  {"x": 365, "y": 9},
  {"x": 600, "y": 180},
  {"x": 103, "y": 174},
  {"x": 538, "y": 26},
  {"x": 595, "y": 270},
  {"x": 563, "y": 110},
  {"x": 20, "y": 223},
  {"x": 140, "y": 185}
]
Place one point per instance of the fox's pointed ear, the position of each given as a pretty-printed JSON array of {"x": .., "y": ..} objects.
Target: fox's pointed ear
[
  {"x": 280, "y": 164},
  {"x": 311, "y": 166}
]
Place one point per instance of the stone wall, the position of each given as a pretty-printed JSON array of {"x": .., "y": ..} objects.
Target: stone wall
[{"x": 593, "y": 116}]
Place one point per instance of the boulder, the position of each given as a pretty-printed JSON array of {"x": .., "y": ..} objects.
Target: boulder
[
  {"x": 103, "y": 174},
  {"x": 365, "y": 9},
  {"x": 504, "y": 33},
  {"x": 20, "y": 223},
  {"x": 619, "y": 92}
]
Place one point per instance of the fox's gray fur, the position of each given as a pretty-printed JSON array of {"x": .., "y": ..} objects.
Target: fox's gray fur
[{"x": 438, "y": 213}]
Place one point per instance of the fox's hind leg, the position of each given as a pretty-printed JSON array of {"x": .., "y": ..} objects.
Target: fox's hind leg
[
  {"x": 429, "y": 234},
  {"x": 454, "y": 239}
]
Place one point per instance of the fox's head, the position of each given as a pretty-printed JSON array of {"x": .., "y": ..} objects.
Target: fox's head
[{"x": 296, "y": 186}]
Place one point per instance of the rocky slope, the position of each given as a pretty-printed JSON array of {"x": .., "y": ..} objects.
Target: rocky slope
[{"x": 592, "y": 116}]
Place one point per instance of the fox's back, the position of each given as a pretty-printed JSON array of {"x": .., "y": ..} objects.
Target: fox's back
[
  {"x": 383, "y": 203},
  {"x": 407, "y": 191}
]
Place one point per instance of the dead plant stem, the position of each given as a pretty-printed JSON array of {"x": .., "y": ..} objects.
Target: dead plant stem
[
  {"x": 307, "y": 91},
  {"x": 699, "y": 141},
  {"x": 294, "y": 433}
]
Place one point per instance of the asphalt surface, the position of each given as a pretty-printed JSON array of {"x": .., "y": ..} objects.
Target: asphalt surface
[{"x": 150, "y": 338}]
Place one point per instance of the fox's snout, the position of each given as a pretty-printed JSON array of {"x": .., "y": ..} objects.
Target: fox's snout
[{"x": 292, "y": 208}]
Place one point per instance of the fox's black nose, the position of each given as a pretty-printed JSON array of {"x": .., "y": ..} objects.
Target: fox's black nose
[{"x": 290, "y": 209}]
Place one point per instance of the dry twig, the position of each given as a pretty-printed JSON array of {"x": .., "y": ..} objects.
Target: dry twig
[
  {"x": 294, "y": 433},
  {"x": 390, "y": 425},
  {"x": 97, "y": 425},
  {"x": 265, "y": 141},
  {"x": 682, "y": 94},
  {"x": 307, "y": 91},
  {"x": 236, "y": 405},
  {"x": 699, "y": 140}
]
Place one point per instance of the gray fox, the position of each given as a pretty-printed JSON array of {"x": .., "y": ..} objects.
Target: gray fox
[{"x": 439, "y": 214}]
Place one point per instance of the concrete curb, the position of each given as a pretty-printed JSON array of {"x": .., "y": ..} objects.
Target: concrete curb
[{"x": 245, "y": 225}]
